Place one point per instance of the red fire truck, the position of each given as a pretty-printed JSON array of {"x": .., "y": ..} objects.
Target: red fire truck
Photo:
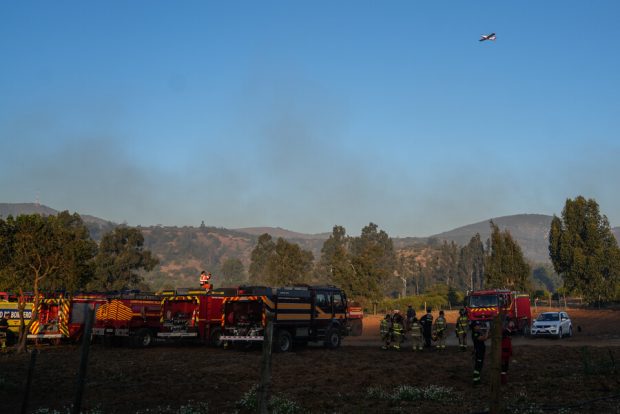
[
  {"x": 192, "y": 314},
  {"x": 483, "y": 305},
  {"x": 61, "y": 317},
  {"x": 130, "y": 317}
]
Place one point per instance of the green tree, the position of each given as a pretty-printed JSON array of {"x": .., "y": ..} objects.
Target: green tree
[
  {"x": 43, "y": 252},
  {"x": 233, "y": 272},
  {"x": 120, "y": 259},
  {"x": 335, "y": 261},
  {"x": 261, "y": 253},
  {"x": 288, "y": 264},
  {"x": 584, "y": 251},
  {"x": 471, "y": 264},
  {"x": 505, "y": 266},
  {"x": 374, "y": 261}
]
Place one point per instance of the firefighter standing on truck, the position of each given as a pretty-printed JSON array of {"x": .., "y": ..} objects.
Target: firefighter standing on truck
[
  {"x": 385, "y": 329},
  {"x": 478, "y": 337},
  {"x": 205, "y": 279},
  {"x": 461, "y": 329}
]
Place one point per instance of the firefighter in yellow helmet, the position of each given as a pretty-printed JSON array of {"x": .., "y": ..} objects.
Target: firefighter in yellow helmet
[
  {"x": 398, "y": 329},
  {"x": 416, "y": 334},
  {"x": 461, "y": 329},
  {"x": 439, "y": 331}
]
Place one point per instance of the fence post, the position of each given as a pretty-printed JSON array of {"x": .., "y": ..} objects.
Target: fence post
[
  {"x": 265, "y": 374},
  {"x": 33, "y": 361},
  {"x": 81, "y": 379},
  {"x": 495, "y": 406}
]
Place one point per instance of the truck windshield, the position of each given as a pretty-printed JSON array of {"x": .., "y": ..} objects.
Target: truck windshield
[{"x": 481, "y": 301}]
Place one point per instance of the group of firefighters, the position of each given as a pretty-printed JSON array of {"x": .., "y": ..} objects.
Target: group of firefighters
[{"x": 424, "y": 331}]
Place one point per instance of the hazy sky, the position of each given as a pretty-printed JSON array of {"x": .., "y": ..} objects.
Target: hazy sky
[{"x": 306, "y": 114}]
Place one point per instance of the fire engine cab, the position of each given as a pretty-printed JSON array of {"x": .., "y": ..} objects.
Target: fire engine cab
[{"x": 483, "y": 305}]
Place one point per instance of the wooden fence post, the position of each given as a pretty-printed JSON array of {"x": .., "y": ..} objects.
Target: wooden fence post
[
  {"x": 495, "y": 397},
  {"x": 264, "y": 389},
  {"x": 81, "y": 379}
]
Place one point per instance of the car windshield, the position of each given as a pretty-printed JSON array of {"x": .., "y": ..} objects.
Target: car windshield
[
  {"x": 481, "y": 301},
  {"x": 548, "y": 317}
]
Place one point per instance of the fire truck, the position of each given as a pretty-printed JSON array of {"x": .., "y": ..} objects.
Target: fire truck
[
  {"x": 9, "y": 311},
  {"x": 301, "y": 314},
  {"x": 355, "y": 314},
  {"x": 129, "y": 317},
  {"x": 192, "y": 314},
  {"x": 52, "y": 323},
  {"x": 483, "y": 305}
]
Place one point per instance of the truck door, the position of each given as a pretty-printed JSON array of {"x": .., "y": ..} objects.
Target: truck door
[{"x": 323, "y": 311}]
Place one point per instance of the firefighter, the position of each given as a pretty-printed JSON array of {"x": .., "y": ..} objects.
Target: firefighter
[
  {"x": 4, "y": 329},
  {"x": 461, "y": 329},
  {"x": 427, "y": 325},
  {"x": 416, "y": 334},
  {"x": 205, "y": 279},
  {"x": 385, "y": 330},
  {"x": 439, "y": 331},
  {"x": 410, "y": 316},
  {"x": 478, "y": 337},
  {"x": 506, "y": 351},
  {"x": 397, "y": 329}
]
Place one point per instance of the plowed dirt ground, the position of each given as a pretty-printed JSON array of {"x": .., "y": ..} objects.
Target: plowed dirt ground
[{"x": 577, "y": 375}]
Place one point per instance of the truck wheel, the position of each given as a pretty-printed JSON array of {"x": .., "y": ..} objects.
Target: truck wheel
[
  {"x": 143, "y": 338},
  {"x": 332, "y": 339},
  {"x": 214, "y": 337},
  {"x": 284, "y": 341},
  {"x": 356, "y": 327}
]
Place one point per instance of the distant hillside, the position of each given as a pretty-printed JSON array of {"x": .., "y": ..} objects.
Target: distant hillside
[
  {"x": 184, "y": 251},
  {"x": 96, "y": 225},
  {"x": 531, "y": 231}
]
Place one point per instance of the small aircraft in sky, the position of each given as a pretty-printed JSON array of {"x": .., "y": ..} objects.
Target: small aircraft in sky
[{"x": 487, "y": 37}]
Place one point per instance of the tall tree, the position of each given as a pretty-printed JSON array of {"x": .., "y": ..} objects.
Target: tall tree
[
  {"x": 505, "y": 266},
  {"x": 335, "y": 261},
  {"x": 584, "y": 251},
  {"x": 120, "y": 260},
  {"x": 288, "y": 264},
  {"x": 264, "y": 248},
  {"x": 471, "y": 264},
  {"x": 374, "y": 261}
]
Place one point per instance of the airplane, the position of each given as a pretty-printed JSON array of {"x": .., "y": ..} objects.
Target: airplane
[{"x": 487, "y": 37}]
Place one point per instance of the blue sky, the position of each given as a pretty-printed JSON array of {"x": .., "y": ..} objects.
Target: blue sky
[{"x": 307, "y": 114}]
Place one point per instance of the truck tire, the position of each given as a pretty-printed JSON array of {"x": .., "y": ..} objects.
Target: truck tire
[
  {"x": 332, "y": 339},
  {"x": 143, "y": 338},
  {"x": 214, "y": 337},
  {"x": 283, "y": 342},
  {"x": 356, "y": 327}
]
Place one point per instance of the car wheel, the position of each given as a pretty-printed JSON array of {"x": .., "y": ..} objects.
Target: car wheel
[
  {"x": 570, "y": 331},
  {"x": 284, "y": 341},
  {"x": 560, "y": 334}
]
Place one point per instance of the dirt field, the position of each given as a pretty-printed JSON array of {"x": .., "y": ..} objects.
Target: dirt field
[{"x": 577, "y": 375}]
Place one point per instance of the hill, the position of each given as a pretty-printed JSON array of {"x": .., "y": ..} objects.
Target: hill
[
  {"x": 531, "y": 231},
  {"x": 185, "y": 251}
]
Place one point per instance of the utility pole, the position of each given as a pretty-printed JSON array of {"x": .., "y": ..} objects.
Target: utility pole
[{"x": 495, "y": 395}]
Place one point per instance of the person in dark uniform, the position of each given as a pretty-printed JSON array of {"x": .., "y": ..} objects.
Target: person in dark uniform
[
  {"x": 427, "y": 327},
  {"x": 478, "y": 337}
]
